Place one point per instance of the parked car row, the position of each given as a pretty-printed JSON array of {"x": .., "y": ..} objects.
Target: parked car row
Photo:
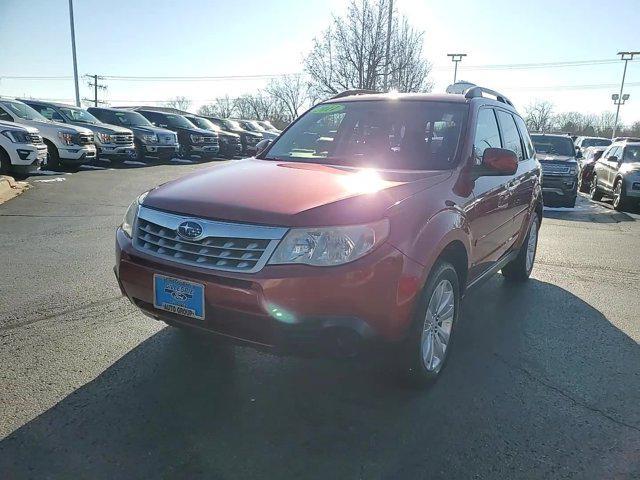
[{"x": 35, "y": 131}]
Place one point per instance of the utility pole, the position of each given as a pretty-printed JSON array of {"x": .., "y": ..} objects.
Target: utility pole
[
  {"x": 620, "y": 99},
  {"x": 92, "y": 81},
  {"x": 73, "y": 50},
  {"x": 386, "y": 63},
  {"x": 456, "y": 58}
]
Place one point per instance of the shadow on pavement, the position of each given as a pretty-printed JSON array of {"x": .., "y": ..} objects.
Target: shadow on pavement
[{"x": 540, "y": 384}]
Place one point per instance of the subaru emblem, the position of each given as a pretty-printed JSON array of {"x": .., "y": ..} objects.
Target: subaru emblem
[{"x": 190, "y": 230}]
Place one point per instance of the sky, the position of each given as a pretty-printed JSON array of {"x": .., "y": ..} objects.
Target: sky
[{"x": 250, "y": 37}]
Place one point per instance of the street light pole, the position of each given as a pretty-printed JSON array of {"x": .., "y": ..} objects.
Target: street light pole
[
  {"x": 73, "y": 49},
  {"x": 386, "y": 63},
  {"x": 456, "y": 58},
  {"x": 625, "y": 56}
]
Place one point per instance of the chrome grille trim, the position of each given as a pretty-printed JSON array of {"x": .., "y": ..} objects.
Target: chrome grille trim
[
  {"x": 233, "y": 247},
  {"x": 84, "y": 139},
  {"x": 35, "y": 138},
  {"x": 122, "y": 138},
  {"x": 555, "y": 170}
]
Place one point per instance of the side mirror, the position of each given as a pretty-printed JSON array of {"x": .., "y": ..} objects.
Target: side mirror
[
  {"x": 499, "y": 161},
  {"x": 578, "y": 153},
  {"x": 262, "y": 145}
]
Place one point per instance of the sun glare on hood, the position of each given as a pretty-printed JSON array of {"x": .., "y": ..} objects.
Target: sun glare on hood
[{"x": 365, "y": 181}]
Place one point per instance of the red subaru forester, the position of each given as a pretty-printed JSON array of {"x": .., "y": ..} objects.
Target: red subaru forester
[{"x": 365, "y": 221}]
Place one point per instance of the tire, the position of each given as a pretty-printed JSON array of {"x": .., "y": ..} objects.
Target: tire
[
  {"x": 53, "y": 157},
  {"x": 519, "y": 269},
  {"x": 620, "y": 201},
  {"x": 582, "y": 185},
  {"x": 422, "y": 357},
  {"x": 595, "y": 192},
  {"x": 5, "y": 162}
]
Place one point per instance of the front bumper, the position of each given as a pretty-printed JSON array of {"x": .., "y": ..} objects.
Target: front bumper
[
  {"x": 559, "y": 186},
  {"x": 162, "y": 150},
  {"x": 120, "y": 152},
  {"x": 27, "y": 157},
  {"x": 204, "y": 150},
  {"x": 77, "y": 154},
  {"x": 287, "y": 308}
]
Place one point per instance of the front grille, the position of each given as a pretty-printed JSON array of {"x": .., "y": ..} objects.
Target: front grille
[
  {"x": 553, "y": 169},
  {"x": 211, "y": 140},
  {"x": 122, "y": 138},
  {"x": 222, "y": 246},
  {"x": 167, "y": 139},
  {"x": 84, "y": 139},
  {"x": 35, "y": 138}
]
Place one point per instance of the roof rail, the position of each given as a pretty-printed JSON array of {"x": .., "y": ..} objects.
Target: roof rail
[
  {"x": 475, "y": 92},
  {"x": 348, "y": 93}
]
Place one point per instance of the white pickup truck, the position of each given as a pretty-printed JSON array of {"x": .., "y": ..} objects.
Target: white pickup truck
[
  {"x": 21, "y": 149},
  {"x": 66, "y": 144}
]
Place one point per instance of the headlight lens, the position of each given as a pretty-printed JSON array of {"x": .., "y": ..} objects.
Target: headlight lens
[
  {"x": 131, "y": 215},
  {"x": 104, "y": 137},
  {"x": 66, "y": 137},
  {"x": 17, "y": 136},
  {"x": 150, "y": 137},
  {"x": 573, "y": 169},
  {"x": 197, "y": 138},
  {"x": 328, "y": 246}
]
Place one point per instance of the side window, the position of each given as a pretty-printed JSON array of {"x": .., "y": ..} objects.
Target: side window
[
  {"x": 48, "y": 113},
  {"x": 526, "y": 139},
  {"x": 487, "y": 132},
  {"x": 5, "y": 116},
  {"x": 614, "y": 152},
  {"x": 152, "y": 117},
  {"x": 510, "y": 135}
]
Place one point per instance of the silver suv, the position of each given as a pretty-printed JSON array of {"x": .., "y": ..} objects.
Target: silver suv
[{"x": 617, "y": 173}]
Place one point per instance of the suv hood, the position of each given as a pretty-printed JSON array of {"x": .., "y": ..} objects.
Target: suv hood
[
  {"x": 152, "y": 129},
  {"x": 18, "y": 126},
  {"x": 102, "y": 128},
  {"x": 289, "y": 193}
]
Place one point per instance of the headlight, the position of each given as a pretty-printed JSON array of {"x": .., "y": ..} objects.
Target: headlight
[
  {"x": 573, "y": 169},
  {"x": 131, "y": 215},
  {"x": 65, "y": 137},
  {"x": 17, "y": 136},
  {"x": 327, "y": 246},
  {"x": 150, "y": 138},
  {"x": 104, "y": 137},
  {"x": 197, "y": 138}
]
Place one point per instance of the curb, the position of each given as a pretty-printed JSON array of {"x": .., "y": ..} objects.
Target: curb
[{"x": 9, "y": 188}]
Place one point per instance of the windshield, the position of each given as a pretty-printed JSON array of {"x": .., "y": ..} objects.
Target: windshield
[
  {"x": 131, "y": 119},
  {"x": 178, "y": 121},
  {"x": 232, "y": 125},
  {"x": 266, "y": 124},
  {"x": 412, "y": 135},
  {"x": 562, "y": 146},
  {"x": 24, "y": 111},
  {"x": 596, "y": 142},
  {"x": 78, "y": 115},
  {"x": 203, "y": 123}
]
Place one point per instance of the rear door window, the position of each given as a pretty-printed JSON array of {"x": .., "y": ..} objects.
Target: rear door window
[
  {"x": 5, "y": 116},
  {"x": 510, "y": 135},
  {"x": 526, "y": 139}
]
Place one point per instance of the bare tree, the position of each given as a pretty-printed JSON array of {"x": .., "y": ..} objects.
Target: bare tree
[
  {"x": 181, "y": 103},
  {"x": 604, "y": 126},
  {"x": 351, "y": 53},
  {"x": 539, "y": 116},
  {"x": 291, "y": 93},
  {"x": 221, "y": 107}
]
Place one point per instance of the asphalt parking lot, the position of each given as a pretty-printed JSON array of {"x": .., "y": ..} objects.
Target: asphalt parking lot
[{"x": 543, "y": 382}]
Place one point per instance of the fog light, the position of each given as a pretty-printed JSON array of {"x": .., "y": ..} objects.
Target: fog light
[{"x": 23, "y": 154}]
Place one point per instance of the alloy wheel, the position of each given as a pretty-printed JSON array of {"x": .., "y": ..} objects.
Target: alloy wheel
[
  {"x": 532, "y": 245},
  {"x": 617, "y": 194},
  {"x": 437, "y": 326}
]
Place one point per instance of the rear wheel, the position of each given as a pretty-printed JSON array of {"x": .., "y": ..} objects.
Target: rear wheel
[
  {"x": 595, "y": 192},
  {"x": 519, "y": 269},
  {"x": 429, "y": 342},
  {"x": 570, "y": 203},
  {"x": 583, "y": 185},
  {"x": 619, "y": 196}
]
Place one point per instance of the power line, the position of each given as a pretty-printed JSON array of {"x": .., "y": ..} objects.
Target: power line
[{"x": 93, "y": 82}]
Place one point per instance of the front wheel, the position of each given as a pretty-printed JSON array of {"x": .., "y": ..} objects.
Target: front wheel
[
  {"x": 5, "y": 163},
  {"x": 519, "y": 269},
  {"x": 429, "y": 341},
  {"x": 595, "y": 192}
]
